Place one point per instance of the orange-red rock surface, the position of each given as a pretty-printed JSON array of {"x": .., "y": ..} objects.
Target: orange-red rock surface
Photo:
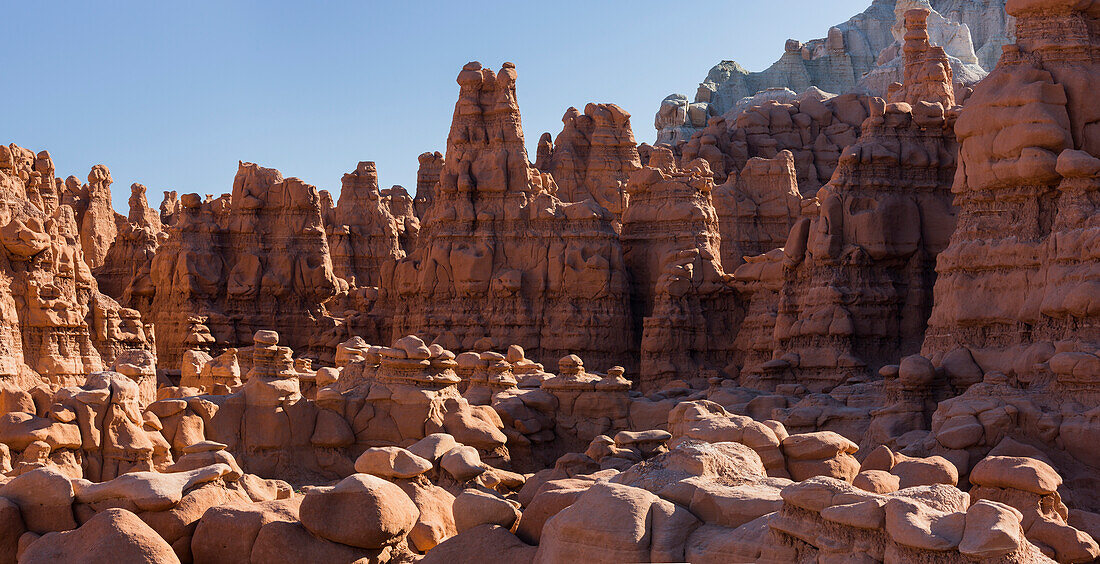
[{"x": 853, "y": 329}]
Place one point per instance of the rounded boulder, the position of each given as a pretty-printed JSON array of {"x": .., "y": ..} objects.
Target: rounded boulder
[{"x": 362, "y": 511}]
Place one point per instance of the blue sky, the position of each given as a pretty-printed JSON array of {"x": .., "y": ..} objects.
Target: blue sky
[{"x": 173, "y": 94}]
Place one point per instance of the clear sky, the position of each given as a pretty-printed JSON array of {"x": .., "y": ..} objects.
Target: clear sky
[{"x": 173, "y": 94}]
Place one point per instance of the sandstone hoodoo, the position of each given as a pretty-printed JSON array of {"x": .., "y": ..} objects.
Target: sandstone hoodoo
[{"x": 845, "y": 309}]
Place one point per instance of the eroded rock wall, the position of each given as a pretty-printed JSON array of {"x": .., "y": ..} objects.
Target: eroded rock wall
[
  {"x": 257, "y": 258},
  {"x": 500, "y": 256}
]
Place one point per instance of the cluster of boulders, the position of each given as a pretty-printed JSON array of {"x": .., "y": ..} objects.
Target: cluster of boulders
[
  {"x": 827, "y": 329},
  {"x": 676, "y": 477}
]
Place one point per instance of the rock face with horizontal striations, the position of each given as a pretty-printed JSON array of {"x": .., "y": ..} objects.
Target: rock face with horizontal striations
[
  {"x": 1030, "y": 150},
  {"x": 124, "y": 274},
  {"x": 362, "y": 231},
  {"x": 857, "y": 272},
  {"x": 257, "y": 259},
  {"x": 814, "y": 127},
  {"x": 685, "y": 307},
  {"x": 768, "y": 343},
  {"x": 57, "y": 326},
  {"x": 757, "y": 208},
  {"x": 592, "y": 157},
  {"x": 500, "y": 256}
]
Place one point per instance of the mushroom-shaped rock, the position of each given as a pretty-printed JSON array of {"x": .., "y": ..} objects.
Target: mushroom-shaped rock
[
  {"x": 916, "y": 371},
  {"x": 391, "y": 462},
  {"x": 265, "y": 337},
  {"x": 515, "y": 354},
  {"x": 822, "y": 444},
  {"x": 414, "y": 347},
  {"x": 823, "y": 453},
  {"x": 362, "y": 511},
  {"x": 433, "y": 446},
  {"x": 463, "y": 463},
  {"x": 570, "y": 363},
  {"x": 925, "y": 471},
  {"x": 877, "y": 481},
  {"x": 475, "y": 507},
  {"x": 326, "y": 376}
]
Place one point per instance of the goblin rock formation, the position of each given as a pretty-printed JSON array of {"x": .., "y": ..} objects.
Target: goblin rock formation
[
  {"x": 256, "y": 259},
  {"x": 125, "y": 272},
  {"x": 427, "y": 181},
  {"x": 682, "y": 300},
  {"x": 709, "y": 352},
  {"x": 815, "y": 131},
  {"x": 1021, "y": 276},
  {"x": 500, "y": 256},
  {"x": 362, "y": 231},
  {"x": 592, "y": 157},
  {"x": 856, "y": 272},
  {"x": 57, "y": 326}
]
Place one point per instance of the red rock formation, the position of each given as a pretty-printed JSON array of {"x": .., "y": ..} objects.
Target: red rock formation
[
  {"x": 32, "y": 177},
  {"x": 684, "y": 307},
  {"x": 427, "y": 181},
  {"x": 362, "y": 232},
  {"x": 592, "y": 157},
  {"x": 1020, "y": 270},
  {"x": 402, "y": 209},
  {"x": 815, "y": 131},
  {"x": 94, "y": 214},
  {"x": 928, "y": 74},
  {"x": 757, "y": 208},
  {"x": 757, "y": 387},
  {"x": 168, "y": 207},
  {"x": 57, "y": 326},
  {"x": 124, "y": 274},
  {"x": 500, "y": 256},
  {"x": 257, "y": 259},
  {"x": 857, "y": 277}
]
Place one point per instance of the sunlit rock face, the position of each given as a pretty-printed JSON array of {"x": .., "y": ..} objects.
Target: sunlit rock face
[
  {"x": 257, "y": 258},
  {"x": 500, "y": 256},
  {"x": 57, "y": 326}
]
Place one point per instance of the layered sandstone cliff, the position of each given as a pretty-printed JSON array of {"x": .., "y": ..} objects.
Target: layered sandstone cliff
[
  {"x": 592, "y": 157},
  {"x": 58, "y": 326},
  {"x": 1020, "y": 268},
  {"x": 500, "y": 256},
  {"x": 258, "y": 258},
  {"x": 857, "y": 273},
  {"x": 685, "y": 308}
]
